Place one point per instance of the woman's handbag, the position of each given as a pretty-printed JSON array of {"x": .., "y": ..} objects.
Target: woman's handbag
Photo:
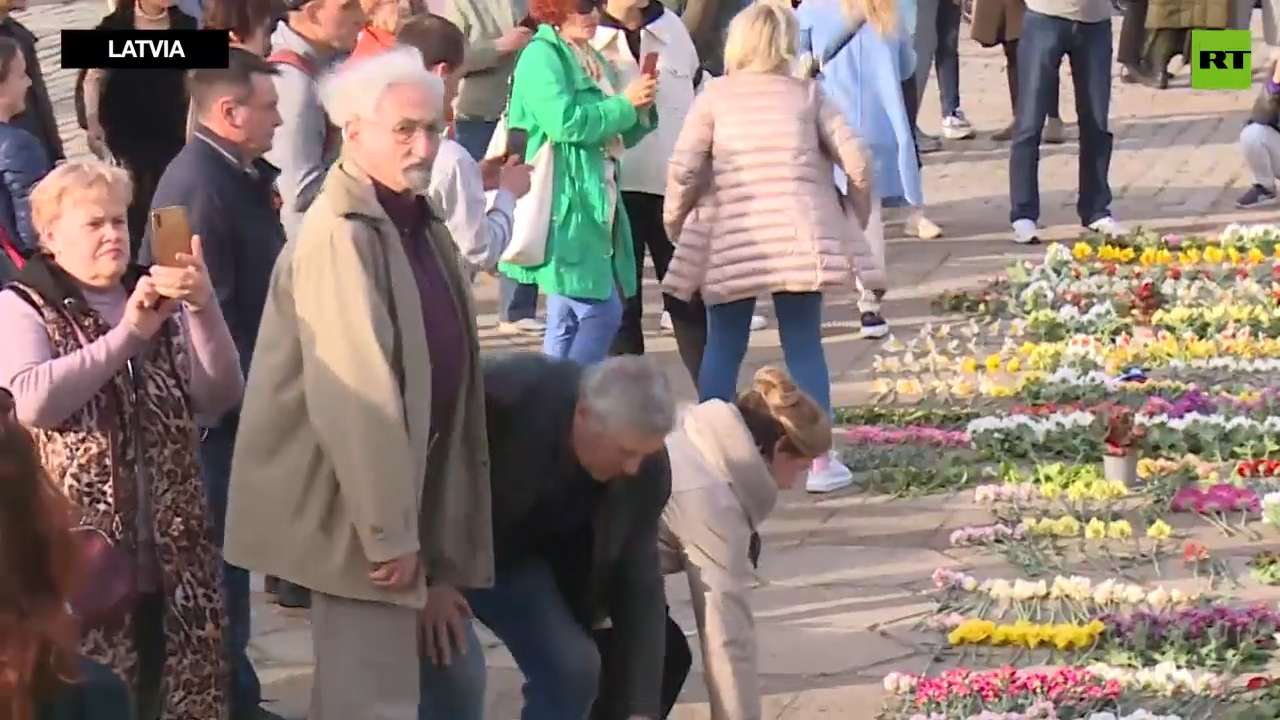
[
  {"x": 532, "y": 221},
  {"x": 110, "y": 583}
]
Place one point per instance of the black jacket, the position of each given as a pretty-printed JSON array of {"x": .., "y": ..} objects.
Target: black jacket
[
  {"x": 232, "y": 211},
  {"x": 529, "y": 403}
]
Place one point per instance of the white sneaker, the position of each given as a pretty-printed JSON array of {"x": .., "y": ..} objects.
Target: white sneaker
[
  {"x": 527, "y": 326},
  {"x": 665, "y": 322},
  {"x": 957, "y": 127},
  {"x": 828, "y": 474},
  {"x": 759, "y": 322},
  {"x": 1107, "y": 226},
  {"x": 1025, "y": 232}
]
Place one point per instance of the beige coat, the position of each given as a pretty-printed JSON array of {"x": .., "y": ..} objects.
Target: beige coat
[
  {"x": 755, "y": 158},
  {"x": 334, "y": 466},
  {"x": 721, "y": 491}
]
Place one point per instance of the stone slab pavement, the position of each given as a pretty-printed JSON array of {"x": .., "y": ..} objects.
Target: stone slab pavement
[{"x": 839, "y": 573}]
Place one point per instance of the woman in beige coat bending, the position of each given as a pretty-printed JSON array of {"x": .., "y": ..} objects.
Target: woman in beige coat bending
[
  {"x": 728, "y": 461},
  {"x": 753, "y": 208}
]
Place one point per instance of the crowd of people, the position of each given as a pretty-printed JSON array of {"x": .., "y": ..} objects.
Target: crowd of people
[{"x": 301, "y": 392}]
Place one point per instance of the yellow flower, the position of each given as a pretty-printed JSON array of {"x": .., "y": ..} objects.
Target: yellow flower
[
  {"x": 1081, "y": 251},
  {"x": 1254, "y": 256},
  {"x": 969, "y": 365},
  {"x": 1214, "y": 255},
  {"x": 1159, "y": 530},
  {"x": 1095, "y": 530},
  {"x": 1067, "y": 526},
  {"x": 1119, "y": 530},
  {"x": 971, "y": 631},
  {"x": 992, "y": 363},
  {"x": 1015, "y": 364}
]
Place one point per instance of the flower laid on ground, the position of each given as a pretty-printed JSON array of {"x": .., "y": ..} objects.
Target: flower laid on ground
[
  {"x": 964, "y": 693},
  {"x": 1210, "y": 637},
  {"x": 1079, "y": 593},
  {"x": 986, "y": 534},
  {"x": 1067, "y": 526},
  {"x": 1271, "y": 508},
  {"x": 1095, "y": 489},
  {"x": 1165, "y": 679},
  {"x": 1218, "y": 498},
  {"x": 1264, "y": 468},
  {"x": 872, "y": 435},
  {"x": 1063, "y": 636},
  {"x": 1265, "y": 568},
  {"x": 1138, "y": 715}
]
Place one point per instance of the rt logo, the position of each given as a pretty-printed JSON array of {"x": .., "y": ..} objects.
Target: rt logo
[{"x": 1221, "y": 59}]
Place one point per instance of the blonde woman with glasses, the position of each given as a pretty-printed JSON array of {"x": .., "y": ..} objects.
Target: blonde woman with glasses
[{"x": 753, "y": 209}]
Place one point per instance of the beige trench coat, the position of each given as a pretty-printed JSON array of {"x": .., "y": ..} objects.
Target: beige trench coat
[
  {"x": 721, "y": 491},
  {"x": 335, "y": 468}
]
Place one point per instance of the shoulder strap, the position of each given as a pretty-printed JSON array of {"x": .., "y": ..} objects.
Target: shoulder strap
[{"x": 294, "y": 59}]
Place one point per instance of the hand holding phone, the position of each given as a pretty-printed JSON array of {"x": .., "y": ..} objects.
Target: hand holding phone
[
  {"x": 517, "y": 143},
  {"x": 649, "y": 66},
  {"x": 170, "y": 235}
]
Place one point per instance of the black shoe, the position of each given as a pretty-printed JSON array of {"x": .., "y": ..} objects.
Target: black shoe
[
  {"x": 293, "y": 596},
  {"x": 1256, "y": 196}
]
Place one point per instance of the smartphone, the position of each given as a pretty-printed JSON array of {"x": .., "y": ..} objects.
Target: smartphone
[
  {"x": 517, "y": 143},
  {"x": 170, "y": 235},
  {"x": 650, "y": 65}
]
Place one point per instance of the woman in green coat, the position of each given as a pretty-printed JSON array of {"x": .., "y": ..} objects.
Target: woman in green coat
[{"x": 565, "y": 93}]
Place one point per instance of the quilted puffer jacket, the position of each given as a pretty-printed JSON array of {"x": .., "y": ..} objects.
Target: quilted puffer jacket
[
  {"x": 751, "y": 200},
  {"x": 23, "y": 163}
]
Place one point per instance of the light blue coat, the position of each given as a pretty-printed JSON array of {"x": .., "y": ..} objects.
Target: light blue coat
[{"x": 865, "y": 81}]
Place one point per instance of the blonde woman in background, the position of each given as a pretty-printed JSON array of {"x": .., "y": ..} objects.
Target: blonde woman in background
[
  {"x": 753, "y": 209},
  {"x": 728, "y": 461}
]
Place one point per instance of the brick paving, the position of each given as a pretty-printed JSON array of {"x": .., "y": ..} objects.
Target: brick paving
[{"x": 841, "y": 576}]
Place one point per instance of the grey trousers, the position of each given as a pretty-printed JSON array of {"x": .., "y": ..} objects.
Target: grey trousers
[
  {"x": 1260, "y": 145},
  {"x": 366, "y": 660}
]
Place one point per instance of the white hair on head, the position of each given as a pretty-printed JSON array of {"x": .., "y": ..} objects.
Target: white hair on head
[
  {"x": 630, "y": 392},
  {"x": 355, "y": 88}
]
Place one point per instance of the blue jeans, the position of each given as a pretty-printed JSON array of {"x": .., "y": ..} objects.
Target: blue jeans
[
  {"x": 581, "y": 330},
  {"x": 1087, "y": 46},
  {"x": 454, "y": 691},
  {"x": 557, "y": 657},
  {"x": 474, "y": 135},
  {"x": 215, "y": 460},
  {"x": 800, "y": 328},
  {"x": 937, "y": 44}
]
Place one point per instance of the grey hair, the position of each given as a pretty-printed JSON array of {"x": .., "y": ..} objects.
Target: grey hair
[
  {"x": 631, "y": 392},
  {"x": 355, "y": 88}
]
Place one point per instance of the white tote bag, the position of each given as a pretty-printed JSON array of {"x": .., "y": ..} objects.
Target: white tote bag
[{"x": 532, "y": 221}]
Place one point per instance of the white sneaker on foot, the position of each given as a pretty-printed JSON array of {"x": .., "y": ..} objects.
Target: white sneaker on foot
[
  {"x": 664, "y": 322},
  {"x": 1025, "y": 232},
  {"x": 828, "y": 474},
  {"x": 759, "y": 322},
  {"x": 1108, "y": 226},
  {"x": 527, "y": 326}
]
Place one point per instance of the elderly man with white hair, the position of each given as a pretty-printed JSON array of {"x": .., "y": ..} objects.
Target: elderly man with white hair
[{"x": 361, "y": 465}]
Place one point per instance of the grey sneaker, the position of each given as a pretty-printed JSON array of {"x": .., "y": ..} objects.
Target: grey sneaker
[
  {"x": 957, "y": 127},
  {"x": 1256, "y": 196},
  {"x": 1025, "y": 232},
  {"x": 927, "y": 143}
]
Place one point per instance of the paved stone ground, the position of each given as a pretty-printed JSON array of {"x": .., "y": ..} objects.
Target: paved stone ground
[{"x": 841, "y": 576}]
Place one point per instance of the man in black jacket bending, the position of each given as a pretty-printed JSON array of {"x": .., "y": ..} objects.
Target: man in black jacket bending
[{"x": 579, "y": 476}]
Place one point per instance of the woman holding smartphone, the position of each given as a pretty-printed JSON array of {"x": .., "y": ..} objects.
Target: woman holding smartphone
[{"x": 642, "y": 37}]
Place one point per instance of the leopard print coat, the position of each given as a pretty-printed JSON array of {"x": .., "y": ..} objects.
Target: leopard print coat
[{"x": 92, "y": 457}]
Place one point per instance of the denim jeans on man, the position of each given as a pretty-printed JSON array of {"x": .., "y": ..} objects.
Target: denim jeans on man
[
  {"x": 215, "y": 458},
  {"x": 937, "y": 45},
  {"x": 516, "y": 301},
  {"x": 800, "y": 328},
  {"x": 582, "y": 330},
  {"x": 1087, "y": 46},
  {"x": 553, "y": 651}
]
